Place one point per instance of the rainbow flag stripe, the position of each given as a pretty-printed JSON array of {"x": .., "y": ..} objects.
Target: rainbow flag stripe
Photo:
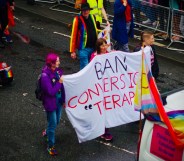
[
  {"x": 9, "y": 74},
  {"x": 79, "y": 36}
]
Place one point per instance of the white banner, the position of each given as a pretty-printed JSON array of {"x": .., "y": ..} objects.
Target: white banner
[{"x": 101, "y": 95}]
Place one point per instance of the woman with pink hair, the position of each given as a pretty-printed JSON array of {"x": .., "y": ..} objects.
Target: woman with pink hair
[{"x": 53, "y": 98}]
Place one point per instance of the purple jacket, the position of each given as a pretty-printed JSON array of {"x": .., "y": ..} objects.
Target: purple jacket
[{"x": 51, "y": 86}]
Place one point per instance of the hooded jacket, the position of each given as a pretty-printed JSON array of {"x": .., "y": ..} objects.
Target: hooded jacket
[{"x": 50, "y": 86}]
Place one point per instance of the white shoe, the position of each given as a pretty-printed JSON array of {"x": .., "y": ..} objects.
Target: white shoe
[
  {"x": 148, "y": 21},
  {"x": 154, "y": 23}
]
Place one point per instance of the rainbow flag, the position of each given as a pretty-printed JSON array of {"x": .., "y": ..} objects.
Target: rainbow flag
[
  {"x": 148, "y": 101},
  {"x": 144, "y": 99},
  {"x": 9, "y": 74}
]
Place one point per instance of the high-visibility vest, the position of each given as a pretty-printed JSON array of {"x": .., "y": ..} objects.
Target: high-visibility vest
[{"x": 97, "y": 9}]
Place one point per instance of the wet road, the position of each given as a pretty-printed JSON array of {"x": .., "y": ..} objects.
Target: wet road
[{"x": 22, "y": 116}]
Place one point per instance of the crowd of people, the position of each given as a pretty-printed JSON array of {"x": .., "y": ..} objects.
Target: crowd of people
[
  {"x": 85, "y": 31},
  {"x": 161, "y": 14},
  {"x": 85, "y": 44}
]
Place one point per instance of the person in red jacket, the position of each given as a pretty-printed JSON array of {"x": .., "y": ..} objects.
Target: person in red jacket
[
  {"x": 3, "y": 18},
  {"x": 11, "y": 23}
]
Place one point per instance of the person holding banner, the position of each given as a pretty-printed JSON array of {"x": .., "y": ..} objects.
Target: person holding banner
[
  {"x": 53, "y": 98},
  {"x": 83, "y": 36},
  {"x": 101, "y": 48},
  {"x": 147, "y": 39},
  {"x": 122, "y": 24}
]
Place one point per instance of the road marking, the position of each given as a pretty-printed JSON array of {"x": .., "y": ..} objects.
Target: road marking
[
  {"x": 58, "y": 33},
  {"x": 115, "y": 147}
]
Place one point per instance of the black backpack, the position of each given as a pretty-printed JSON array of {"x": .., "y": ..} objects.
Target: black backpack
[{"x": 38, "y": 90}]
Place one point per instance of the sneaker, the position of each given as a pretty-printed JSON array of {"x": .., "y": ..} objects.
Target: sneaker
[
  {"x": 44, "y": 134},
  {"x": 154, "y": 23},
  {"x": 2, "y": 45},
  {"x": 106, "y": 137},
  {"x": 52, "y": 151},
  {"x": 8, "y": 39},
  {"x": 148, "y": 21}
]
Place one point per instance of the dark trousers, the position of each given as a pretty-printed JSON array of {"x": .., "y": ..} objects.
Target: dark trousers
[
  {"x": 163, "y": 14},
  {"x": 3, "y": 20}
]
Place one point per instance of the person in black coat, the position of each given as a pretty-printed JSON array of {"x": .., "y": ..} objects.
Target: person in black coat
[
  {"x": 3, "y": 18},
  {"x": 147, "y": 39}
]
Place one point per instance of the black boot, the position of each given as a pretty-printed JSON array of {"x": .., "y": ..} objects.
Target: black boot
[{"x": 1, "y": 44}]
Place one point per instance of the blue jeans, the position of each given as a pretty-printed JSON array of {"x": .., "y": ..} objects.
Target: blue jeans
[
  {"x": 53, "y": 119},
  {"x": 84, "y": 56}
]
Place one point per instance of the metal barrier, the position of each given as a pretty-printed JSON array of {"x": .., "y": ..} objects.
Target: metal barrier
[
  {"x": 177, "y": 28},
  {"x": 146, "y": 15},
  {"x": 46, "y": 1},
  {"x": 69, "y": 3},
  {"x": 151, "y": 16},
  {"x": 164, "y": 21}
]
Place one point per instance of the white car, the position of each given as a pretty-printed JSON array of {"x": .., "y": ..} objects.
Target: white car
[{"x": 156, "y": 143}]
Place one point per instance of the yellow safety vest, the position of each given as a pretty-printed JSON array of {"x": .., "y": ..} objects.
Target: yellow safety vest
[{"x": 97, "y": 9}]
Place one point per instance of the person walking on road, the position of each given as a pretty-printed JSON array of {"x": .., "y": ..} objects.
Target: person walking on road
[
  {"x": 98, "y": 11},
  {"x": 101, "y": 48},
  {"x": 53, "y": 98},
  {"x": 11, "y": 23},
  {"x": 83, "y": 36},
  {"x": 4, "y": 18},
  {"x": 122, "y": 24}
]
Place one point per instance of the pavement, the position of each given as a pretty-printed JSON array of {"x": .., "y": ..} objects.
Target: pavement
[{"x": 63, "y": 13}]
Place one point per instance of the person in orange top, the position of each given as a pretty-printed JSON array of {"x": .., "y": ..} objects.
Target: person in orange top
[{"x": 101, "y": 48}]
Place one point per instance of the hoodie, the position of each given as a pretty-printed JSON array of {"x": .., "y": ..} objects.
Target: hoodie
[{"x": 52, "y": 88}]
